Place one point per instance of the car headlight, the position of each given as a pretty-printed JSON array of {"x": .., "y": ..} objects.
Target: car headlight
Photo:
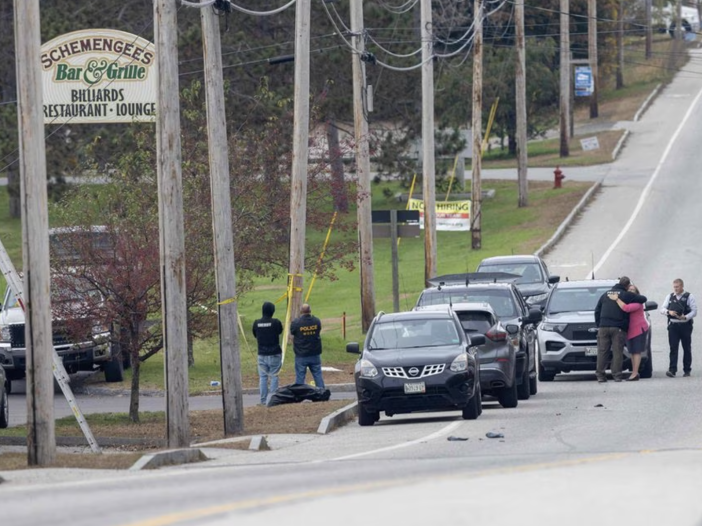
[
  {"x": 538, "y": 298},
  {"x": 553, "y": 327},
  {"x": 5, "y": 334},
  {"x": 368, "y": 370},
  {"x": 460, "y": 363}
]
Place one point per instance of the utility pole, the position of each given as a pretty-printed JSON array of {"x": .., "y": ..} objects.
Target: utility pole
[
  {"x": 679, "y": 32},
  {"x": 620, "y": 46},
  {"x": 565, "y": 77},
  {"x": 649, "y": 26},
  {"x": 520, "y": 83},
  {"x": 428, "y": 168},
  {"x": 476, "y": 191},
  {"x": 592, "y": 55},
  {"x": 225, "y": 271},
  {"x": 365, "y": 230},
  {"x": 41, "y": 437},
  {"x": 174, "y": 310},
  {"x": 301, "y": 125}
]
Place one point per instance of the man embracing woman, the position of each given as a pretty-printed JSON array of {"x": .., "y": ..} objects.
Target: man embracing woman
[{"x": 637, "y": 332}]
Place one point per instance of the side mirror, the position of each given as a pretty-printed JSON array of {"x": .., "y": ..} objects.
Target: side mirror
[
  {"x": 476, "y": 340},
  {"x": 353, "y": 348},
  {"x": 650, "y": 305},
  {"x": 535, "y": 315},
  {"x": 554, "y": 279},
  {"x": 512, "y": 329}
]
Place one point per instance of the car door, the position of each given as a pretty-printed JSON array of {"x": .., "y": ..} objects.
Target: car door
[{"x": 528, "y": 331}]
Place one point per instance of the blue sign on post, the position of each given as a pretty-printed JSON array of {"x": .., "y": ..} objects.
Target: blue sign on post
[{"x": 584, "y": 85}]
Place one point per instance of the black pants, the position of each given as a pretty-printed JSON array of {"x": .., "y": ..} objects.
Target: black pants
[{"x": 680, "y": 333}]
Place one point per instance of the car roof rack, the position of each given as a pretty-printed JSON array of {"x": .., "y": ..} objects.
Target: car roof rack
[{"x": 472, "y": 277}]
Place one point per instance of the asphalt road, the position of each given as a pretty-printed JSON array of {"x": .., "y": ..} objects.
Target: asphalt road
[{"x": 578, "y": 453}]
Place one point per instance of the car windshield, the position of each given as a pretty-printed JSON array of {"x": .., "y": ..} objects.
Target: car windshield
[
  {"x": 407, "y": 334},
  {"x": 575, "y": 299},
  {"x": 500, "y": 299},
  {"x": 529, "y": 272}
]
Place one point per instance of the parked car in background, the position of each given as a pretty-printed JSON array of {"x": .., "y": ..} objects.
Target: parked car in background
[
  {"x": 567, "y": 335},
  {"x": 508, "y": 304},
  {"x": 497, "y": 356},
  {"x": 533, "y": 279},
  {"x": 417, "y": 361},
  {"x": 4, "y": 402}
]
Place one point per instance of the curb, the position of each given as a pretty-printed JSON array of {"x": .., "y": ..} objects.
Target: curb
[
  {"x": 558, "y": 234},
  {"x": 169, "y": 458},
  {"x": 338, "y": 418},
  {"x": 620, "y": 143},
  {"x": 645, "y": 104}
]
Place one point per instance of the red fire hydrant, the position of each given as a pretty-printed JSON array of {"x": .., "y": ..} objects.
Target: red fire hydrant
[{"x": 557, "y": 177}]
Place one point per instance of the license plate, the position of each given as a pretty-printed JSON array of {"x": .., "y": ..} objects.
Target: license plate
[
  {"x": 590, "y": 351},
  {"x": 417, "y": 387}
]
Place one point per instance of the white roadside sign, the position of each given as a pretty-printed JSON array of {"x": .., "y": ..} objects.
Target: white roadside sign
[
  {"x": 590, "y": 143},
  {"x": 98, "y": 76}
]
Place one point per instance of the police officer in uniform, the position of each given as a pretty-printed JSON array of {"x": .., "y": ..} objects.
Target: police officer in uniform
[
  {"x": 680, "y": 308},
  {"x": 307, "y": 345}
]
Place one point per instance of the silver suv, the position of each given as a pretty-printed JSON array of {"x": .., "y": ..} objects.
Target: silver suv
[{"x": 567, "y": 335}]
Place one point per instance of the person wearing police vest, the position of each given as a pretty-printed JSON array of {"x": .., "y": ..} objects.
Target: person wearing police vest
[
  {"x": 612, "y": 326},
  {"x": 307, "y": 345},
  {"x": 680, "y": 308},
  {"x": 267, "y": 331}
]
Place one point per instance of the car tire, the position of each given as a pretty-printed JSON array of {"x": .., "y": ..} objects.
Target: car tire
[
  {"x": 533, "y": 385},
  {"x": 474, "y": 408},
  {"x": 647, "y": 367},
  {"x": 523, "y": 389},
  {"x": 367, "y": 418},
  {"x": 8, "y": 386},
  {"x": 4, "y": 409},
  {"x": 507, "y": 396},
  {"x": 544, "y": 375}
]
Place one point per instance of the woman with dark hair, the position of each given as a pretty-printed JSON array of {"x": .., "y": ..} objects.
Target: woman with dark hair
[{"x": 637, "y": 333}]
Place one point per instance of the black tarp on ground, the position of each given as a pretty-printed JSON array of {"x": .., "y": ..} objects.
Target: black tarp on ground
[{"x": 294, "y": 393}]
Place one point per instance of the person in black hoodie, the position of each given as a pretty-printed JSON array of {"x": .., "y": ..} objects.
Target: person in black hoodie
[
  {"x": 267, "y": 331},
  {"x": 612, "y": 326},
  {"x": 307, "y": 345}
]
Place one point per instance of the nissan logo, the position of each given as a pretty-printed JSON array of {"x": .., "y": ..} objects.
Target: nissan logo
[
  {"x": 413, "y": 371},
  {"x": 592, "y": 329}
]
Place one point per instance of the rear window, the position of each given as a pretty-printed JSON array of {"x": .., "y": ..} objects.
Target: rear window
[
  {"x": 475, "y": 322},
  {"x": 528, "y": 272},
  {"x": 501, "y": 300},
  {"x": 575, "y": 299}
]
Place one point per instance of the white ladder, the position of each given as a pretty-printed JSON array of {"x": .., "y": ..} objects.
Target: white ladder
[{"x": 15, "y": 283}]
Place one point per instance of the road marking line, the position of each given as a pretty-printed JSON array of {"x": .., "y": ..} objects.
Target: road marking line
[
  {"x": 441, "y": 432},
  {"x": 174, "y": 518},
  {"x": 647, "y": 189}
]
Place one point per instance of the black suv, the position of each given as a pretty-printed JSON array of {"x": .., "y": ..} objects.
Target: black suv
[
  {"x": 532, "y": 277},
  {"x": 502, "y": 295},
  {"x": 417, "y": 361}
]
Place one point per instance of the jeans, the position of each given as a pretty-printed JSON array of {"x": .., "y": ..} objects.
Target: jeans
[
  {"x": 315, "y": 365},
  {"x": 610, "y": 338},
  {"x": 680, "y": 333},
  {"x": 268, "y": 367}
]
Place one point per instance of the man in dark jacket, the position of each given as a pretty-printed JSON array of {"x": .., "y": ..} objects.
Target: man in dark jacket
[
  {"x": 307, "y": 345},
  {"x": 267, "y": 331},
  {"x": 612, "y": 323}
]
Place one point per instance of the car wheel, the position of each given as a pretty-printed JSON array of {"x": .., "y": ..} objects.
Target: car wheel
[
  {"x": 523, "y": 389},
  {"x": 647, "y": 367},
  {"x": 474, "y": 408},
  {"x": 508, "y": 396},
  {"x": 365, "y": 417},
  {"x": 114, "y": 369},
  {"x": 544, "y": 375},
  {"x": 8, "y": 386},
  {"x": 4, "y": 409},
  {"x": 533, "y": 385}
]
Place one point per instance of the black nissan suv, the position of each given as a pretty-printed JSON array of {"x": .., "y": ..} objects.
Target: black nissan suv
[{"x": 417, "y": 361}]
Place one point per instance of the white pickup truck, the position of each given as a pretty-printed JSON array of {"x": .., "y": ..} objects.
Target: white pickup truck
[{"x": 90, "y": 352}]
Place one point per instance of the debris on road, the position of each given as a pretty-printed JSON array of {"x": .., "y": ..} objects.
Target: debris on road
[
  {"x": 490, "y": 434},
  {"x": 456, "y": 439},
  {"x": 599, "y": 405}
]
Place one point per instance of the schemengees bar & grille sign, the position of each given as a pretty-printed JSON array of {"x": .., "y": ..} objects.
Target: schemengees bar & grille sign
[{"x": 98, "y": 76}]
